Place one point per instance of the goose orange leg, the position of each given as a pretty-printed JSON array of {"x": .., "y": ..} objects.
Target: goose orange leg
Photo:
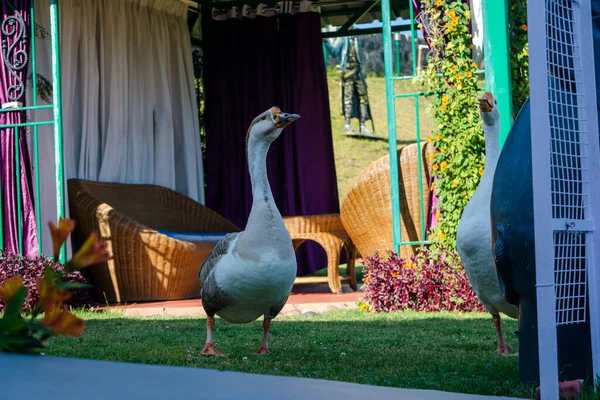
[
  {"x": 503, "y": 347},
  {"x": 264, "y": 347},
  {"x": 209, "y": 347}
]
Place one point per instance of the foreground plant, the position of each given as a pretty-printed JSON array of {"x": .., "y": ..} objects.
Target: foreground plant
[{"x": 21, "y": 333}]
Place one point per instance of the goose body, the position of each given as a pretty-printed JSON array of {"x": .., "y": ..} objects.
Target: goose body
[
  {"x": 250, "y": 274},
  {"x": 474, "y": 236}
]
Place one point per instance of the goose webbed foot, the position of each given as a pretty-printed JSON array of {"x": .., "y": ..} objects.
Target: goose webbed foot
[
  {"x": 209, "y": 347},
  {"x": 264, "y": 347}
]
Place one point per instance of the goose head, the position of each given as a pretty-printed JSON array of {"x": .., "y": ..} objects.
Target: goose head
[
  {"x": 488, "y": 107},
  {"x": 268, "y": 125}
]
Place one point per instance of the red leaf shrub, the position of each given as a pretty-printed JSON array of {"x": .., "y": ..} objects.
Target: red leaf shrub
[
  {"x": 433, "y": 280},
  {"x": 33, "y": 267}
]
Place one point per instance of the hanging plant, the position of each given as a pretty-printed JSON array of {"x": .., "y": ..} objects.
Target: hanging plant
[{"x": 458, "y": 138}]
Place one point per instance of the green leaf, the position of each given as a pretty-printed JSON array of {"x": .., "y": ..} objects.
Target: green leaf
[{"x": 15, "y": 305}]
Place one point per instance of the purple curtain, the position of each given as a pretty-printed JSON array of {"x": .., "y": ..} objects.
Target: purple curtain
[
  {"x": 15, "y": 47},
  {"x": 251, "y": 65}
]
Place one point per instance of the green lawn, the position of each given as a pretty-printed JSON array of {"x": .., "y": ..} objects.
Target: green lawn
[{"x": 442, "y": 351}]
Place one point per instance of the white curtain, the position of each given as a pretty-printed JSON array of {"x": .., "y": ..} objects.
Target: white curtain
[{"x": 129, "y": 106}]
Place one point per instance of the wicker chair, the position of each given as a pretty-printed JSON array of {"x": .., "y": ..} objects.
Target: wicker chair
[
  {"x": 147, "y": 265},
  {"x": 366, "y": 210}
]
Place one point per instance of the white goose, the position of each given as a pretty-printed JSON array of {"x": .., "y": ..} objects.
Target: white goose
[
  {"x": 251, "y": 273},
  {"x": 474, "y": 236}
]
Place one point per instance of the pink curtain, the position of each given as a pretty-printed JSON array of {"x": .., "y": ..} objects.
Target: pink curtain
[{"x": 15, "y": 39}]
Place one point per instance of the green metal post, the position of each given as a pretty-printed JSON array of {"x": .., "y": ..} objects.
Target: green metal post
[
  {"x": 57, "y": 108},
  {"x": 497, "y": 60},
  {"x": 413, "y": 36},
  {"x": 391, "y": 116},
  {"x": 18, "y": 190},
  {"x": 36, "y": 153},
  {"x": 325, "y": 54},
  {"x": 397, "y": 45}
]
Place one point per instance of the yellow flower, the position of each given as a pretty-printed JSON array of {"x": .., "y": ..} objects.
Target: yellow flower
[
  {"x": 452, "y": 14},
  {"x": 63, "y": 322},
  {"x": 93, "y": 251},
  {"x": 468, "y": 74},
  {"x": 455, "y": 21},
  {"x": 445, "y": 99},
  {"x": 449, "y": 28},
  {"x": 472, "y": 47},
  {"x": 439, "y": 3},
  {"x": 458, "y": 77},
  {"x": 438, "y": 138},
  {"x": 527, "y": 52},
  {"x": 475, "y": 64},
  {"x": 395, "y": 274},
  {"x": 430, "y": 139},
  {"x": 454, "y": 184},
  {"x": 10, "y": 287},
  {"x": 442, "y": 149},
  {"x": 60, "y": 233},
  {"x": 432, "y": 187},
  {"x": 50, "y": 296},
  {"x": 442, "y": 236},
  {"x": 435, "y": 167},
  {"x": 366, "y": 280},
  {"x": 453, "y": 69},
  {"x": 430, "y": 157},
  {"x": 363, "y": 307},
  {"x": 443, "y": 107},
  {"x": 438, "y": 215},
  {"x": 443, "y": 165},
  {"x": 524, "y": 27},
  {"x": 480, "y": 171}
]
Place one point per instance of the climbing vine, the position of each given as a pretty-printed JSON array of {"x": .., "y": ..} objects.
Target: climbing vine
[
  {"x": 519, "y": 53},
  {"x": 458, "y": 138}
]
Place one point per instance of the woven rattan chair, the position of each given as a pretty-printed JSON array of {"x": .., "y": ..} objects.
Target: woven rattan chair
[
  {"x": 366, "y": 210},
  {"x": 147, "y": 265},
  {"x": 328, "y": 231}
]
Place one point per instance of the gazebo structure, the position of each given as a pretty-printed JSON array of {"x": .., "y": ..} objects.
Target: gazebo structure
[{"x": 104, "y": 90}]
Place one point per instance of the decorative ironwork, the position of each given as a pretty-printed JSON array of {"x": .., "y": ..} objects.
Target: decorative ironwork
[{"x": 15, "y": 59}]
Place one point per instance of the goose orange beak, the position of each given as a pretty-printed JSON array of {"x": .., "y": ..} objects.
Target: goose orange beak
[
  {"x": 486, "y": 102},
  {"x": 282, "y": 119}
]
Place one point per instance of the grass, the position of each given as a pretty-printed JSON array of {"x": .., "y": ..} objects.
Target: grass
[
  {"x": 442, "y": 351},
  {"x": 352, "y": 155}
]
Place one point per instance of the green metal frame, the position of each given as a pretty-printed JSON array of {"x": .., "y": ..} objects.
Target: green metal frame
[
  {"x": 56, "y": 122},
  {"x": 497, "y": 72}
]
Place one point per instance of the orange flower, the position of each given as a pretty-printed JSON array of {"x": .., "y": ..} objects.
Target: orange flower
[
  {"x": 524, "y": 27},
  {"x": 60, "y": 233},
  {"x": 10, "y": 287},
  {"x": 480, "y": 171},
  {"x": 468, "y": 74},
  {"x": 63, "y": 322},
  {"x": 366, "y": 280},
  {"x": 93, "y": 251},
  {"x": 50, "y": 296},
  {"x": 443, "y": 165},
  {"x": 395, "y": 274}
]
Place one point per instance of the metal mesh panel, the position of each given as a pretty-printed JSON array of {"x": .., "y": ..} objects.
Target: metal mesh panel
[
  {"x": 570, "y": 277},
  {"x": 568, "y": 156}
]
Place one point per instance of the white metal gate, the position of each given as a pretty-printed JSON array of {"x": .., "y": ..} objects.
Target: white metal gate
[{"x": 565, "y": 164}]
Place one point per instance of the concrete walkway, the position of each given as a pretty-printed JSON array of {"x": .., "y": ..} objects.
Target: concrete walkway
[{"x": 55, "y": 378}]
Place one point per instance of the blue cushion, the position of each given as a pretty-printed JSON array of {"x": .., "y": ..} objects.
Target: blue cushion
[{"x": 195, "y": 236}]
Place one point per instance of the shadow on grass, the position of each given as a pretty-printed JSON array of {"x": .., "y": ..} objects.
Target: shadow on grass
[{"x": 447, "y": 351}]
